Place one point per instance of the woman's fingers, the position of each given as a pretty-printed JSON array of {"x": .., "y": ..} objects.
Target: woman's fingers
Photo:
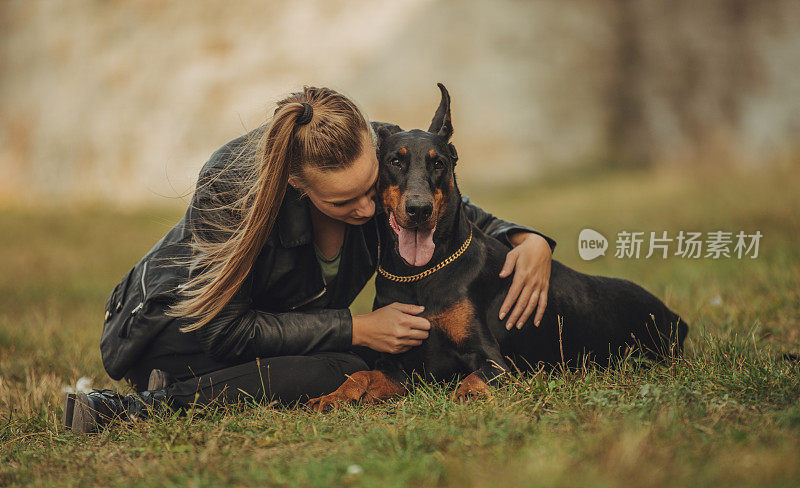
[
  {"x": 410, "y": 319},
  {"x": 535, "y": 298},
  {"x": 511, "y": 297},
  {"x": 519, "y": 307},
  {"x": 407, "y": 308},
  {"x": 542, "y": 305},
  {"x": 417, "y": 323},
  {"x": 508, "y": 266},
  {"x": 417, "y": 334}
]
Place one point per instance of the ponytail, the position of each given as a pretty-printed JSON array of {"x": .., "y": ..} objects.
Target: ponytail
[{"x": 317, "y": 127}]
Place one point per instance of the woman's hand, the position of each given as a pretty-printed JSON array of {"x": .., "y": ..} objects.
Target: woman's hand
[
  {"x": 394, "y": 328},
  {"x": 530, "y": 263}
]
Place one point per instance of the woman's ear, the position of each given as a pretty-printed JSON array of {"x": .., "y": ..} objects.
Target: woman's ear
[{"x": 297, "y": 184}]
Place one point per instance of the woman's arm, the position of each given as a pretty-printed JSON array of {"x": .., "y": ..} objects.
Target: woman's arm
[
  {"x": 529, "y": 260},
  {"x": 240, "y": 332}
]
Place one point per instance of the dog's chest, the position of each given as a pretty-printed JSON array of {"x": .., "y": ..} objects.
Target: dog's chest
[
  {"x": 452, "y": 314},
  {"x": 456, "y": 321}
]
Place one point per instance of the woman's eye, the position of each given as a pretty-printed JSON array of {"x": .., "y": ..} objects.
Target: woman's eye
[
  {"x": 438, "y": 164},
  {"x": 394, "y": 162}
]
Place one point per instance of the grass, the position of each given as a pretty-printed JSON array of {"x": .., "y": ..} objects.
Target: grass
[{"x": 726, "y": 414}]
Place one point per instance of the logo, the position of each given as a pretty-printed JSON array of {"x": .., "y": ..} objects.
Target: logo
[
  {"x": 591, "y": 244},
  {"x": 717, "y": 244}
]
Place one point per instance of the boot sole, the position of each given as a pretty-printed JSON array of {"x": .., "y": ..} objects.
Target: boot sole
[
  {"x": 158, "y": 380},
  {"x": 85, "y": 418},
  {"x": 69, "y": 409}
]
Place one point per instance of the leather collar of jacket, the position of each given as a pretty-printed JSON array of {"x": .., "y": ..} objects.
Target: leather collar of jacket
[{"x": 294, "y": 221}]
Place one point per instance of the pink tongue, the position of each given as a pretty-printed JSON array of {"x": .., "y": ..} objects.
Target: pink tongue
[{"x": 416, "y": 245}]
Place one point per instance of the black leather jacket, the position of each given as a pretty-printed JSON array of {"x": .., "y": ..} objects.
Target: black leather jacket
[{"x": 272, "y": 313}]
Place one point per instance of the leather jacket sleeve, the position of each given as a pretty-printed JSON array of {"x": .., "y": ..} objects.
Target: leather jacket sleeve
[
  {"x": 240, "y": 332},
  {"x": 495, "y": 227}
]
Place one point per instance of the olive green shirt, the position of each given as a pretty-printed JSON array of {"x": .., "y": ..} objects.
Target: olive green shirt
[{"x": 330, "y": 267}]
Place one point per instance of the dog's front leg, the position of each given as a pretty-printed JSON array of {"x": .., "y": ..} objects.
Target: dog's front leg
[{"x": 366, "y": 386}]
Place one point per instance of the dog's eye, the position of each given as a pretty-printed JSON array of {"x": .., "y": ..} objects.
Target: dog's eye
[
  {"x": 438, "y": 164},
  {"x": 394, "y": 162}
]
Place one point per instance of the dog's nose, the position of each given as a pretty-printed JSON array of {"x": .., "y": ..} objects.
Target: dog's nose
[{"x": 419, "y": 210}]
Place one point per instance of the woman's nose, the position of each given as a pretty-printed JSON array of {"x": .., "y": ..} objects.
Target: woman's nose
[{"x": 366, "y": 207}]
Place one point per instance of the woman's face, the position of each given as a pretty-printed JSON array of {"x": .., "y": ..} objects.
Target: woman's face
[{"x": 346, "y": 194}]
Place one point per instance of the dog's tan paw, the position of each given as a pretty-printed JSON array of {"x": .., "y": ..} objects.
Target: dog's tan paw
[
  {"x": 472, "y": 387},
  {"x": 328, "y": 402}
]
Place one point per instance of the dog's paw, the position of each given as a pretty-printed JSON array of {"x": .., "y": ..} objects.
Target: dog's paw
[
  {"x": 361, "y": 386},
  {"x": 328, "y": 402},
  {"x": 471, "y": 387}
]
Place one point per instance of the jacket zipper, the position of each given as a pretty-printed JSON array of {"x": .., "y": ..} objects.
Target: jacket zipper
[
  {"x": 144, "y": 291},
  {"x": 138, "y": 307},
  {"x": 309, "y": 300}
]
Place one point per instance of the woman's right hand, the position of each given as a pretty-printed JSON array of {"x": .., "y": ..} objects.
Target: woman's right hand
[{"x": 394, "y": 328}]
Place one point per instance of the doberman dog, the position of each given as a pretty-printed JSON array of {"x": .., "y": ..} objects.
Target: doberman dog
[{"x": 587, "y": 318}]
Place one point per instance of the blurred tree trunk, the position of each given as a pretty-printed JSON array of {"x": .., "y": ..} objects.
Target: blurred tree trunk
[
  {"x": 628, "y": 132},
  {"x": 682, "y": 72}
]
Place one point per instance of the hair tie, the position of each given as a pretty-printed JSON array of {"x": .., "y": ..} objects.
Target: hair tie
[{"x": 305, "y": 117}]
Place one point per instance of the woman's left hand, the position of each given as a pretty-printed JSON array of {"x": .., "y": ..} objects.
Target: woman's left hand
[{"x": 530, "y": 263}]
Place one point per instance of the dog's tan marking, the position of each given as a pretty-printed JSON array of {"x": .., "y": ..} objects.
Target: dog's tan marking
[
  {"x": 432, "y": 154},
  {"x": 440, "y": 198},
  {"x": 402, "y": 151},
  {"x": 456, "y": 320},
  {"x": 392, "y": 197},
  {"x": 439, "y": 203}
]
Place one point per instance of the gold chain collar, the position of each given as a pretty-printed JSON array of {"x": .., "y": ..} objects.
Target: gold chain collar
[{"x": 427, "y": 272}]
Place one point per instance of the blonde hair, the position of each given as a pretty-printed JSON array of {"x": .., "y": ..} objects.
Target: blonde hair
[{"x": 255, "y": 181}]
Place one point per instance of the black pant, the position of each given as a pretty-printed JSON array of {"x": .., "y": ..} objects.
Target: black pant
[{"x": 286, "y": 379}]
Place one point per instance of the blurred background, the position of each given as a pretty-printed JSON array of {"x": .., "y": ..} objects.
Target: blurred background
[{"x": 122, "y": 102}]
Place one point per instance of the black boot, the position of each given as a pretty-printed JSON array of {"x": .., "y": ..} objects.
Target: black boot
[{"x": 93, "y": 410}]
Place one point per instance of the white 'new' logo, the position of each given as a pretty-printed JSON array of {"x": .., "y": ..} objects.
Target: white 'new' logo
[{"x": 591, "y": 244}]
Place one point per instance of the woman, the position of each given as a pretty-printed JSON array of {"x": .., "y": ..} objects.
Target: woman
[{"x": 248, "y": 295}]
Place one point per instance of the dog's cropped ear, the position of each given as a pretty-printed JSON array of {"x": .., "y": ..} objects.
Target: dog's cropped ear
[
  {"x": 442, "y": 123},
  {"x": 384, "y": 130}
]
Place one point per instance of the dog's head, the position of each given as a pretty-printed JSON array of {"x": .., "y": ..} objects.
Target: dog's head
[{"x": 417, "y": 181}]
